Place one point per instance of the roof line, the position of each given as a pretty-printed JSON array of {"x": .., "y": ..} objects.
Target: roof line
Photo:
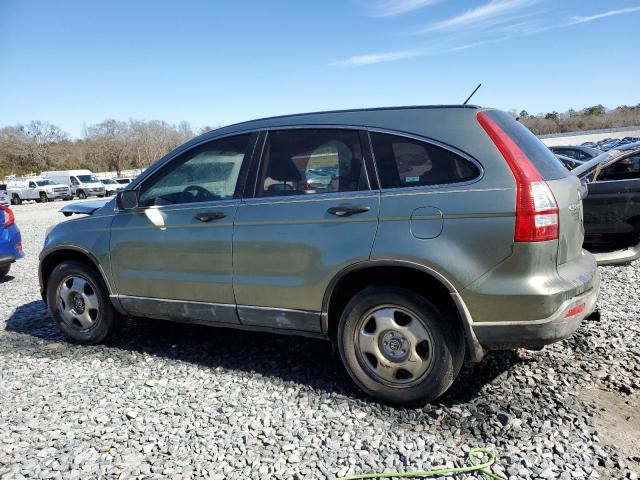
[{"x": 352, "y": 110}]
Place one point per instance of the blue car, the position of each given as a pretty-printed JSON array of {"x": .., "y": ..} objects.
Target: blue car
[{"x": 10, "y": 240}]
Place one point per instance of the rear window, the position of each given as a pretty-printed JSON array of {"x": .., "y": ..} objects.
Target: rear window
[
  {"x": 547, "y": 164},
  {"x": 405, "y": 162}
]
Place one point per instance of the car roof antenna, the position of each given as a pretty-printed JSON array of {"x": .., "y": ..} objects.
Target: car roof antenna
[{"x": 472, "y": 94}]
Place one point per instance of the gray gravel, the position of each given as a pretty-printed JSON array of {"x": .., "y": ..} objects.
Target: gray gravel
[{"x": 182, "y": 401}]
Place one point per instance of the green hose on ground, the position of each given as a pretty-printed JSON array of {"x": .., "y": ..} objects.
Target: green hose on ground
[{"x": 474, "y": 457}]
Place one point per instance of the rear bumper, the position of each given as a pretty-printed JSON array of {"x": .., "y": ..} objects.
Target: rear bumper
[
  {"x": 538, "y": 333},
  {"x": 6, "y": 259}
]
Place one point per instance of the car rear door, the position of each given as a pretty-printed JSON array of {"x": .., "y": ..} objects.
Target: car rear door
[
  {"x": 172, "y": 257},
  {"x": 312, "y": 212}
]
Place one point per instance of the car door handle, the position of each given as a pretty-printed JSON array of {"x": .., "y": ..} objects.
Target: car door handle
[
  {"x": 346, "y": 210},
  {"x": 208, "y": 216}
]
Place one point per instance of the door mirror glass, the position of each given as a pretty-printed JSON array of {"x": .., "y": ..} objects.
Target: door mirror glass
[{"x": 127, "y": 200}]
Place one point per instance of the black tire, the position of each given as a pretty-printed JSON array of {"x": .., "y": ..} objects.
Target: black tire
[
  {"x": 43, "y": 198},
  {"x": 106, "y": 322},
  {"x": 4, "y": 271},
  {"x": 81, "y": 194},
  {"x": 446, "y": 337},
  {"x": 16, "y": 200}
]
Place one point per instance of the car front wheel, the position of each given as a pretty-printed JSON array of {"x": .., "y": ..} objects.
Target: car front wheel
[
  {"x": 398, "y": 347},
  {"x": 79, "y": 302},
  {"x": 82, "y": 195}
]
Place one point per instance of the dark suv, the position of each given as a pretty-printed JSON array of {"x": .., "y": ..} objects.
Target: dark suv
[{"x": 407, "y": 236}]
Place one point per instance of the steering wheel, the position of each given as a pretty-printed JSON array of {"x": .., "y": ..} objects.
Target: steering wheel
[{"x": 201, "y": 195}]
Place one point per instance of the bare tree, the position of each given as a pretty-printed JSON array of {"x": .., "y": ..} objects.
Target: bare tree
[{"x": 108, "y": 142}]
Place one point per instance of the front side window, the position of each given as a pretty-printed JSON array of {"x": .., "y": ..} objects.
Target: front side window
[
  {"x": 206, "y": 173},
  {"x": 308, "y": 161},
  {"x": 405, "y": 162},
  {"x": 32, "y": 185},
  {"x": 74, "y": 181},
  {"x": 624, "y": 169}
]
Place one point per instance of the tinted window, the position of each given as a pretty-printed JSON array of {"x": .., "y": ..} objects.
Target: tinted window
[
  {"x": 549, "y": 167},
  {"x": 575, "y": 154},
  {"x": 32, "y": 185},
  {"x": 299, "y": 162},
  {"x": 88, "y": 178},
  {"x": 44, "y": 183},
  {"x": 404, "y": 162},
  {"x": 206, "y": 173},
  {"x": 624, "y": 169}
]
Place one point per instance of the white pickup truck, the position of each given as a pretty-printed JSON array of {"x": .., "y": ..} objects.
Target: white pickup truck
[{"x": 38, "y": 189}]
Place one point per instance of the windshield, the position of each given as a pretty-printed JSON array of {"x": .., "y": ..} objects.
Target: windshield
[
  {"x": 44, "y": 183},
  {"x": 108, "y": 181},
  {"x": 88, "y": 178}
]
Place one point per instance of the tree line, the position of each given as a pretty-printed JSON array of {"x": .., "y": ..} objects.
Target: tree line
[
  {"x": 114, "y": 145},
  {"x": 591, "y": 118},
  {"x": 107, "y": 146}
]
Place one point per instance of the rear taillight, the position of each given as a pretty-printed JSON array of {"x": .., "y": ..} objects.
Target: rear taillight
[
  {"x": 9, "y": 219},
  {"x": 536, "y": 207}
]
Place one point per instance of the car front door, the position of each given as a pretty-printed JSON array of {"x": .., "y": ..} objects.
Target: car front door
[
  {"x": 32, "y": 191},
  {"x": 312, "y": 214},
  {"x": 612, "y": 205},
  {"x": 171, "y": 257}
]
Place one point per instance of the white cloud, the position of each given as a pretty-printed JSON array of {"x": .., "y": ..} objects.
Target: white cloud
[
  {"x": 610, "y": 13},
  {"x": 482, "y": 14},
  {"x": 390, "y": 8},
  {"x": 371, "y": 58}
]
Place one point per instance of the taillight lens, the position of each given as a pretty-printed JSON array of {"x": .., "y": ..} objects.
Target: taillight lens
[
  {"x": 536, "y": 208},
  {"x": 8, "y": 216}
]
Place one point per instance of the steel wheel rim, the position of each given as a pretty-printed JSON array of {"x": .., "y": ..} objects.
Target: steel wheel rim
[
  {"x": 394, "y": 346},
  {"x": 77, "y": 302}
]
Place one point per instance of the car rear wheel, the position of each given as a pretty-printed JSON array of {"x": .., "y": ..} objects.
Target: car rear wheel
[
  {"x": 16, "y": 200},
  {"x": 4, "y": 271},
  {"x": 79, "y": 302},
  {"x": 398, "y": 347}
]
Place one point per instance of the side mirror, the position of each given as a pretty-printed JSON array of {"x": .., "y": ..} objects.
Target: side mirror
[{"x": 127, "y": 200}]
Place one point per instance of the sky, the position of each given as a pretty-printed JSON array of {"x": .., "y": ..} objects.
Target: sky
[{"x": 74, "y": 63}]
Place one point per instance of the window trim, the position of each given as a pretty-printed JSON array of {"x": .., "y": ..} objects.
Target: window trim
[
  {"x": 430, "y": 141},
  {"x": 252, "y": 193},
  {"x": 242, "y": 174}
]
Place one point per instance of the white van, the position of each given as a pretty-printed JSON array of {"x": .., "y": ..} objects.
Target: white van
[
  {"x": 38, "y": 189},
  {"x": 83, "y": 183}
]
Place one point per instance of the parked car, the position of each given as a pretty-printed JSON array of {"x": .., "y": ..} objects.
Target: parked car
[
  {"x": 576, "y": 152},
  {"x": 445, "y": 230},
  {"x": 82, "y": 183},
  {"x": 111, "y": 187},
  {"x": 124, "y": 181},
  {"x": 4, "y": 196},
  {"x": 612, "y": 206},
  {"x": 38, "y": 189},
  {"x": 10, "y": 240}
]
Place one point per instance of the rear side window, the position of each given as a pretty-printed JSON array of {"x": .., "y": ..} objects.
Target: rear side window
[
  {"x": 547, "y": 164},
  {"x": 405, "y": 162}
]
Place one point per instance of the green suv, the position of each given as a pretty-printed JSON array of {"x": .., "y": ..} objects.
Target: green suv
[{"x": 407, "y": 236}]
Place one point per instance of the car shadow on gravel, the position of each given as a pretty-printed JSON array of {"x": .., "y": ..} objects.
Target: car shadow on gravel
[
  {"x": 307, "y": 361},
  {"x": 6, "y": 279}
]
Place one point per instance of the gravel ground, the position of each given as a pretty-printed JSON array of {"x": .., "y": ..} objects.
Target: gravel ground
[{"x": 183, "y": 401}]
